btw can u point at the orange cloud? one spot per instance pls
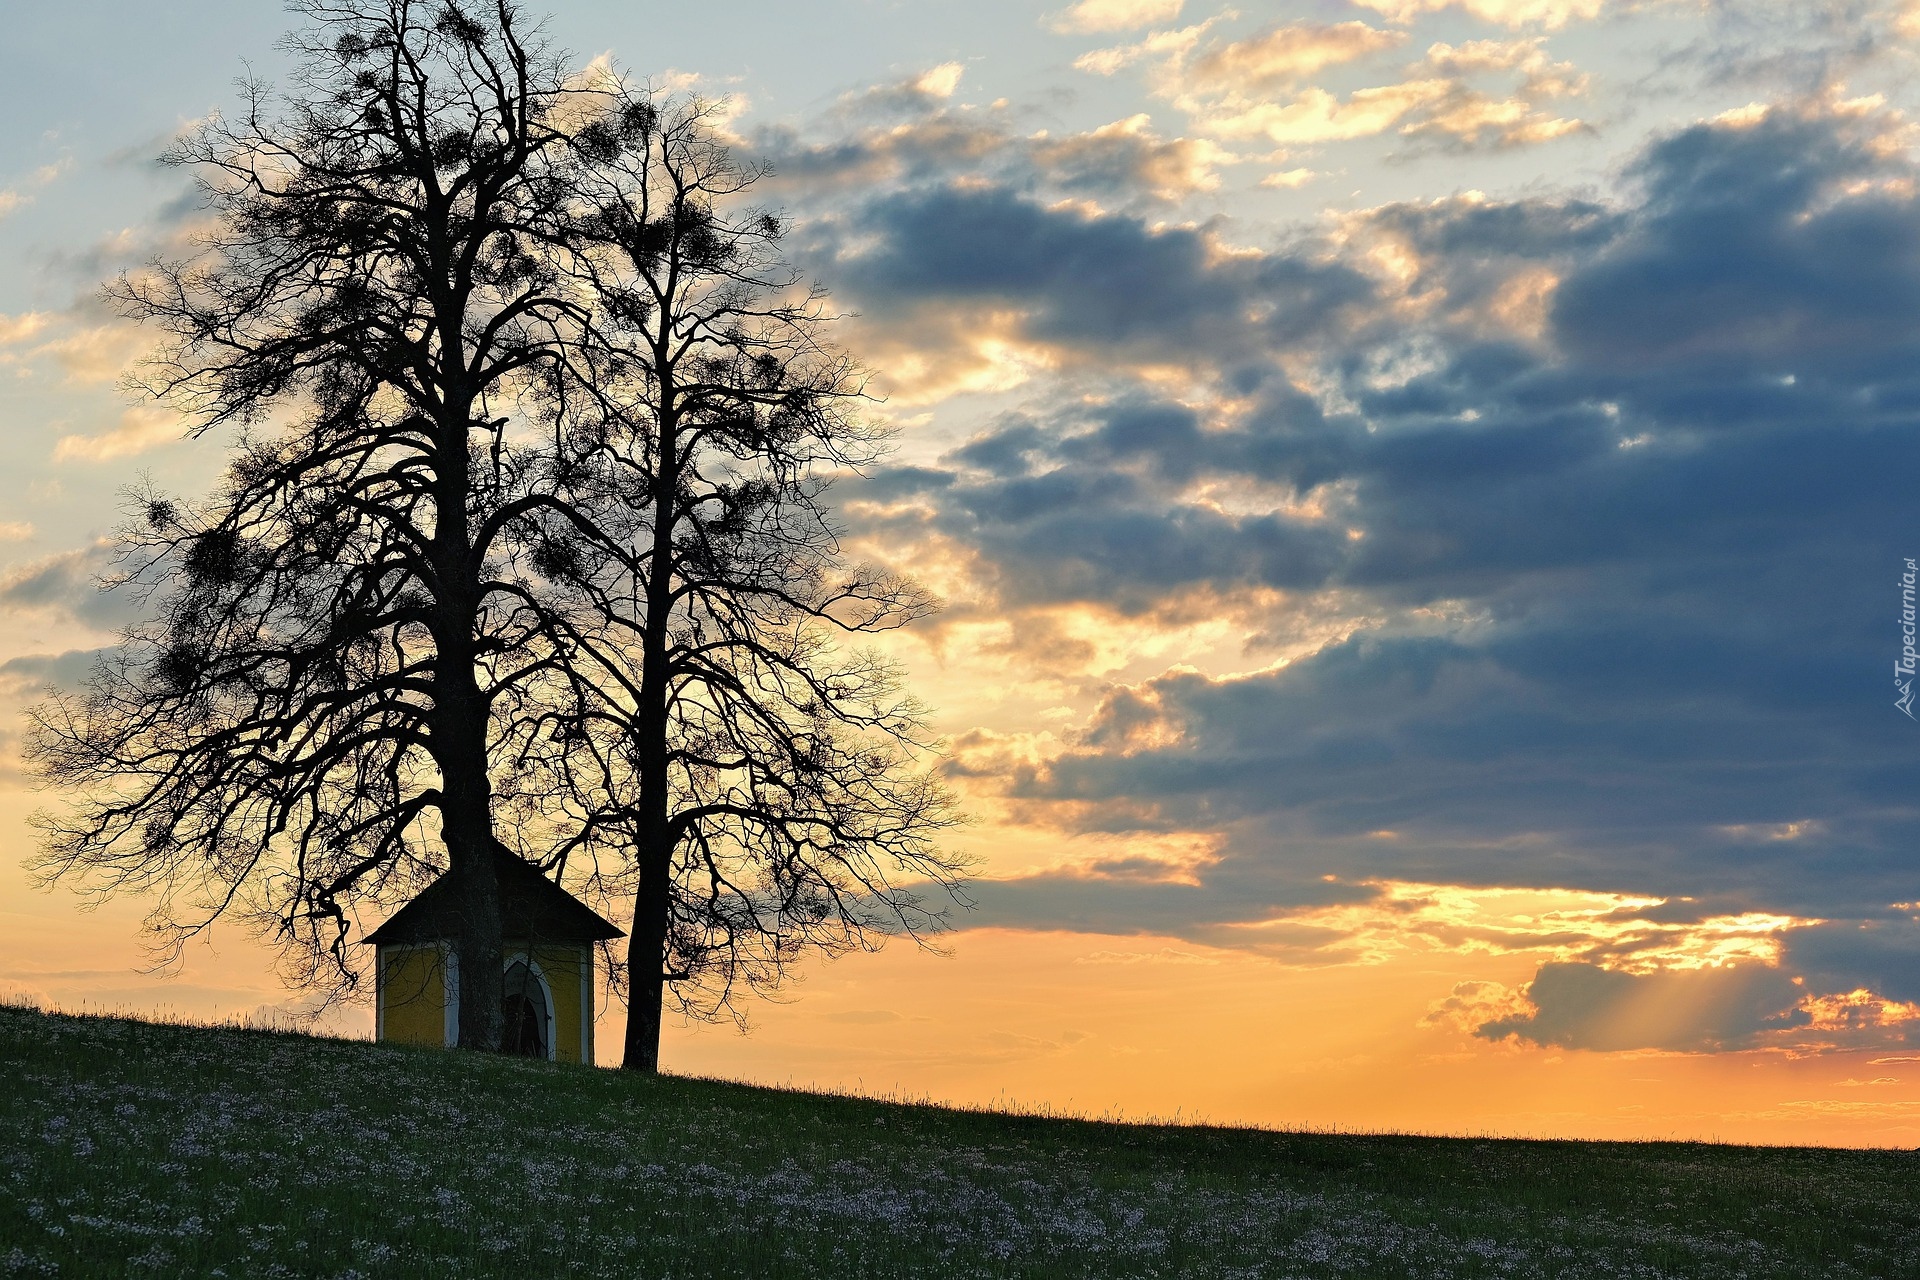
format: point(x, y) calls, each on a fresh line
point(1257, 86)
point(138, 430)
point(1283, 54)
point(1115, 15)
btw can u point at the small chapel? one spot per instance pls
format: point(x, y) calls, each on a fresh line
point(548, 994)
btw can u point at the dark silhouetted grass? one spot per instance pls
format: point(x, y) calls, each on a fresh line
point(138, 1149)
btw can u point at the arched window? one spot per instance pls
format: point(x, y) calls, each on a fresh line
point(528, 1020)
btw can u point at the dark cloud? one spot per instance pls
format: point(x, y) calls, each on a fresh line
point(1671, 639)
point(70, 583)
point(1132, 900)
point(24, 681)
point(31, 673)
point(1880, 954)
point(1464, 251)
point(1085, 504)
point(1582, 1006)
point(1749, 257)
point(1636, 555)
point(1502, 766)
point(1084, 281)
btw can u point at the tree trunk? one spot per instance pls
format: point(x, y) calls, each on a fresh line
point(466, 824)
point(646, 967)
point(460, 734)
point(647, 946)
point(479, 947)
point(647, 950)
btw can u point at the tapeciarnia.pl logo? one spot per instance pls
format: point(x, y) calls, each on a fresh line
point(1903, 669)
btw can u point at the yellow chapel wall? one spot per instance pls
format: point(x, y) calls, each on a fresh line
point(412, 995)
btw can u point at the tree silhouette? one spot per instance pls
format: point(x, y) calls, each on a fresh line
point(334, 627)
point(524, 530)
point(756, 784)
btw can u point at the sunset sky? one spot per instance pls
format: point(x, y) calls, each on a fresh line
point(1420, 490)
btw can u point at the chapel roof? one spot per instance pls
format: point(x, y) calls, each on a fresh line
point(532, 907)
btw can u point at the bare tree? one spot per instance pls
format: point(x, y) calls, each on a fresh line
point(335, 629)
point(765, 786)
point(525, 529)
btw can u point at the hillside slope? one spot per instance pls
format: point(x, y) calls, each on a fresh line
point(135, 1149)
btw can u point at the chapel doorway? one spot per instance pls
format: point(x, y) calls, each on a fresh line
point(527, 1017)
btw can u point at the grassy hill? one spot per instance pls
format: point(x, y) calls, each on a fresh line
point(128, 1148)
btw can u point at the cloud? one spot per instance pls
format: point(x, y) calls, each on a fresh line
point(1562, 533)
point(1158, 908)
point(1081, 515)
point(1170, 47)
point(1882, 954)
point(1426, 105)
point(905, 136)
point(1166, 955)
point(65, 588)
point(875, 1017)
point(940, 81)
point(86, 348)
point(1128, 157)
point(1544, 78)
point(140, 429)
point(28, 675)
point(1283, 55)
point(924, 93)
point(14, 197)
point(1115, 15)
point(958, 273)
point(1545, 754)
point(15, 330)
point(1260, 86)
point(1289, 178)
point(1475, 1004)
point(1316, 116)
point(1508, 13)
point(934, 143)
point(1785, 51)
point(1579, 1006)
point(1755, 231)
